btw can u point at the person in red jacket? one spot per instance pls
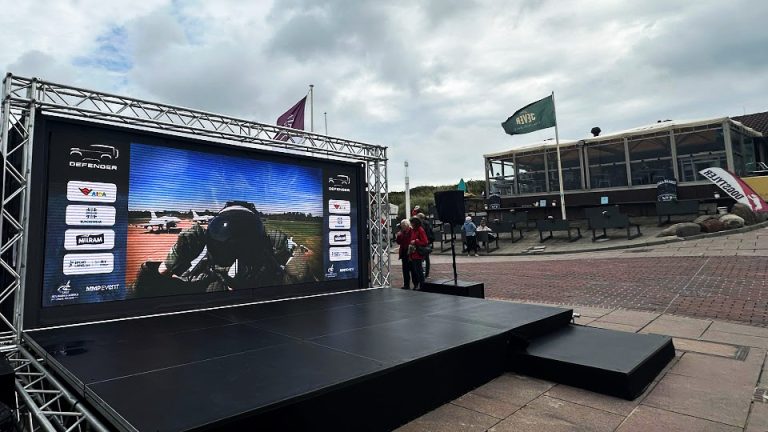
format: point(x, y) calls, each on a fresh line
point(404, 239)
point(418, 239)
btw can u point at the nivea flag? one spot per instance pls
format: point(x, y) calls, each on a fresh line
point(293, 118)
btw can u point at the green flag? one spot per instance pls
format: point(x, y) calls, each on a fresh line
point(532, 117)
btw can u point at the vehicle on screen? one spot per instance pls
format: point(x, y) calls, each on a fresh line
point(339, 180)
point(95, 152)
point(203, 220)
point(161, 223)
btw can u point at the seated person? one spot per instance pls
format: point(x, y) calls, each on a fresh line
point(484, 227)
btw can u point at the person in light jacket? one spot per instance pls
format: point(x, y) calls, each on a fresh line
point(470, 231)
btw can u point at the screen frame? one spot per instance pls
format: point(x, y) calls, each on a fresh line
point(37, 316)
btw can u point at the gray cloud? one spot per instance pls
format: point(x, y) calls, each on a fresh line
point(432, 80)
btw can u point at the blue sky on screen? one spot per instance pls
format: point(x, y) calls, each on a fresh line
point(165, 178)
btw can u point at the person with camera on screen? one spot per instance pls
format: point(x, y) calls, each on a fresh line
point(234, 252)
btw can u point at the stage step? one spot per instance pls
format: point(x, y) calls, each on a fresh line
point(605, 361)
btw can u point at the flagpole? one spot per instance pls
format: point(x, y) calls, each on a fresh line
point(311, 107)
point(325, 116)
point(559, 164)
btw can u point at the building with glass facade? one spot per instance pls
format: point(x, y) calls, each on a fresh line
point(625, 166)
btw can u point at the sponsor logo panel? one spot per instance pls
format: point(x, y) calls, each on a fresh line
point(75, 239)
point(339, 222)
point(81, 264)
point(91, 191)
point(90, 215)
point(339, 238)
point(339, 206)
point(340, 253)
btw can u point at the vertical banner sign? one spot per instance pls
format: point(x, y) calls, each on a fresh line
point(735, 188)
point(666, 190)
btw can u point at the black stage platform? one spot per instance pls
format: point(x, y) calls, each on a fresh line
point(366, 360)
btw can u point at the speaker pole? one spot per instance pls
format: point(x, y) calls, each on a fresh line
point(453, 255)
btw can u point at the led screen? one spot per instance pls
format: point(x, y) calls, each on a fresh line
point(129, 219)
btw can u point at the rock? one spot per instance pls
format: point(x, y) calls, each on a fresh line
point(668, 231)
point(703, 218)
point(687, 229)
point(732, 221)
point(712, 225)
point(745, 212)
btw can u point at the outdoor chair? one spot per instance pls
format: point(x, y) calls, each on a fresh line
point(504, 227)
point(669, 208)
point(552, 225)
point(610, 217)
point(483, 238)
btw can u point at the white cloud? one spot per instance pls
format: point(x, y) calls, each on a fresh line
point(432, 80)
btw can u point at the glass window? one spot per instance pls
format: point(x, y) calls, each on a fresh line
point(698, 150)
point(501, 177)
point(650, 159)
point(607, 166)
point(530, 173)
point(569, 159)
point(750, 162)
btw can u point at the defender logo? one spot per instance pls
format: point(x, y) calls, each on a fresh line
point(94, 156)
point(339, 183)
point(89, 239)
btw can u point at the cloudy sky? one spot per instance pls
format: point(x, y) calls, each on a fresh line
point(430, 79)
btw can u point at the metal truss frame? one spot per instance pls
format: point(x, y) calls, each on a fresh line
point(44, 404)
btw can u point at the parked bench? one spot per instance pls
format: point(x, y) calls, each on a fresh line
point(484, 238)
point(553, 225)
point(445, 236)
point(669, 208)
point(518, 218)
point(610, 217)
point(507, 227)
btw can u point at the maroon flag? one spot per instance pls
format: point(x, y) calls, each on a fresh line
point(293, 118)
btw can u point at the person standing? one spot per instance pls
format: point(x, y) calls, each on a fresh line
point(403, 239)
point(430, 238)
point(470, 231)
point(418, 241)
point(416, 210)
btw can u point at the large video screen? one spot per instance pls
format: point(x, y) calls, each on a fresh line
point(135, 218)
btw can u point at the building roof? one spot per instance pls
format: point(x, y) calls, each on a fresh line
point(756, 121)
point(638, 131)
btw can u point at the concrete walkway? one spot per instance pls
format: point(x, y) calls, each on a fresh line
point(715, 383)
point(710, 294)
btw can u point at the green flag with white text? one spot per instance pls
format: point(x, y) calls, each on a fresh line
point(532, 117)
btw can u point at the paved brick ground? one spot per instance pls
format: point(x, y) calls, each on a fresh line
point(720, 278)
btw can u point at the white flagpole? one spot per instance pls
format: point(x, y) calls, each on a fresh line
point(311, 107)
point(559, 164)
point(407, 193)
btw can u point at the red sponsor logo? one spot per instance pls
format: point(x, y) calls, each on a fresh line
point(85, 191)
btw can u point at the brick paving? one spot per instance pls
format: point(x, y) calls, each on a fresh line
point(718, 278)
point(709, 294)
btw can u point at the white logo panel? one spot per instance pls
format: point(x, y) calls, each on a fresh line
point(339, 222)
point(340, 253)
point(82, 264)
point(91, 191)
point(90, 215)
point(79, 239)
point(339, 238)
point(338, 206)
